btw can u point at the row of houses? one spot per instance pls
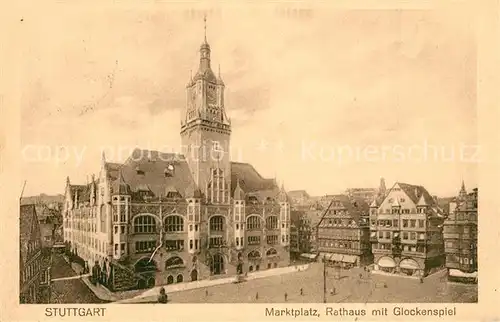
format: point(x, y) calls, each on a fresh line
point(39, 228)
point(403, 230)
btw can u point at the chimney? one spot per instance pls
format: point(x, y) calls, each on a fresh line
point(435, 198)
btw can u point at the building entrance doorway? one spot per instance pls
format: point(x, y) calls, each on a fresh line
point(194, 275)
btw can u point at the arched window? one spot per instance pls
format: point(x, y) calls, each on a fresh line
point(272, 222)
point(180, 278)
point(174, 262)
point(217, 264)
point(174, 224)
point(253, 223)
point(271, 252)
point(253, 255)
point(170, 279)
point(144, 224)
point(217, 223)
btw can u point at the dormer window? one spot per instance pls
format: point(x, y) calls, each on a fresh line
point(139, 171)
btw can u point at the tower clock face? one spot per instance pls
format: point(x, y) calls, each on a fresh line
point(211, 96)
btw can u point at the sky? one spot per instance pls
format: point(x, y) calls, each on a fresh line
point(329, 100)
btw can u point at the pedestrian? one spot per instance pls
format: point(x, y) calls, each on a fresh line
point(421, 280)
point(301, 291)
point(162, 297)
point(257, 296)
point(360, 276)
point(333, 291)
point(206, 293)
point(286, 296)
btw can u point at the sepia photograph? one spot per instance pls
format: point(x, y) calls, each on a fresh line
point(276, 153)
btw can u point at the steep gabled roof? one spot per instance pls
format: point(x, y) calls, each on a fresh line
point(355, 207)
point(414, 192)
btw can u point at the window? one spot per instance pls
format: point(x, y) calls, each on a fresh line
point(413, 236)
point(421, 236)
point(272, 222)
point(190, 227)
point(405, 235)
point(271, 252)
point(253, 255)
point(196, 241)
point(254, 240)
point(116, 229)
point(237, 241)
point(241, 241)
point(174, 244)
point(216, 242)
point(217, 223)
point(174, 262)
point(116, 249)
point(272, 239)
point(122, 248)
point(180, 278)
point(253, 223)
point(237, 227)
point(195, 227)
point(405, 223)
point(380, 234)
point(421, 223)
point(145, 224)
point(174, 224)
point(413, 223)
point(190, 244)
point(122, 229)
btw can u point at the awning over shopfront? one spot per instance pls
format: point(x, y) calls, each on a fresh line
point(386, 262)
point(458, 273)
point(349, 259)
point(337, 257)
point(409, 264)
point(309, 256)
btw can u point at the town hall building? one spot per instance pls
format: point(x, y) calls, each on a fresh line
point(163, 218)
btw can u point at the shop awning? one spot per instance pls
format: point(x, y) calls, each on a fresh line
point(386, 262)
point(337, 257)
point(458, 273)
point(409, 264)
point(349, 259)
point(310, 256)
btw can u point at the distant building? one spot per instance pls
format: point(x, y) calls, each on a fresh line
point(460, 236)
point(343, 232)
point(299, 197)
point(406, 231)
point(33, 274)
point(368, 194)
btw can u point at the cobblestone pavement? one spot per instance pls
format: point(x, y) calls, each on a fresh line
point(349, 289)
point(69, 291)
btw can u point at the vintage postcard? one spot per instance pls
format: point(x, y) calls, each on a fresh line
point(278, 160)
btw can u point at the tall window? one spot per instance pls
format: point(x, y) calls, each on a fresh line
point(217, 265)
point(174, 224)
point(253, 223)
point(102, 214)
point(145, 246)
point(272, 239)
point(144, 224)
point(217, 223)
point(272, 222)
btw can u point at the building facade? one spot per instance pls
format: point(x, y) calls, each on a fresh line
point(33, 275)
point(162, 218)
point(343, 232)
point(406, 231)
point(460, 237)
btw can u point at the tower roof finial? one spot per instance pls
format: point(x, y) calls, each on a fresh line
point(205, 26)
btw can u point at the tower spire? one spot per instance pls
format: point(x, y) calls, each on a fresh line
point(205, 27)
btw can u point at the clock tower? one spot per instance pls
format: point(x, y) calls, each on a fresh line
point(206, 130)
